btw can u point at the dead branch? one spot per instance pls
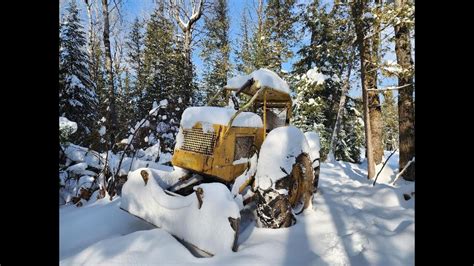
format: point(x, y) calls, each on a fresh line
point(403, 170)
point(377, 176)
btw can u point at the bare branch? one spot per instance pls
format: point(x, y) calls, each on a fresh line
point(196, 14)
point(175, 12)
point(383, 166)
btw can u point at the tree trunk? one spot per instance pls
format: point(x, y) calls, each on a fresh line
point(187, 47)
point(187, 27)
point(405, 98)
point(357, 9)
point(112, 120)
point(90, 45)
point(375, 108)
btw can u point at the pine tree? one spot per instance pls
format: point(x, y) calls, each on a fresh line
point(135, 56)
point(351, 135)
point(309, 106)
point(244, 50)
point(165, 71)
point(216, 48)
point(279, 21)
point(97, 69)
point(260, 41)
point(329, 56)
point(78, 100)
point(158, 57)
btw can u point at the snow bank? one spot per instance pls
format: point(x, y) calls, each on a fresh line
point(84, 226)
point(279, 151)
point(263, 77)
point(206, 227)
point(143, 248)
point(218, 115)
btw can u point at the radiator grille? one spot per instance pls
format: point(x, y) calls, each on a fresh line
point(197, 141)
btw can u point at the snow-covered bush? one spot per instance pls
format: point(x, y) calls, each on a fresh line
point(66, 128)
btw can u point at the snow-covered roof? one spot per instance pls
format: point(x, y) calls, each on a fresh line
point(219, 116)
point(263, 77)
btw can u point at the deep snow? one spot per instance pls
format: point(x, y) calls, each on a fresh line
point(351, 222)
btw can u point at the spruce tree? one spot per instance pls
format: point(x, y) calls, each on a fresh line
point(216, 48)
point(78, 100)
point(136, 80)
point(326, 58)
point(244, 62)
point(351, 135)
point(279, 21)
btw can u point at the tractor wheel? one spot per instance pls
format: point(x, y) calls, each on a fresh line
point(276, 210)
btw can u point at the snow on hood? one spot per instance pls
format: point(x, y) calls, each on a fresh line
point(265, 78)
point(279, 151)
point(218, 115)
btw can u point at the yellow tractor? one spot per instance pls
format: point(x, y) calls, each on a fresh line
point(227, 158)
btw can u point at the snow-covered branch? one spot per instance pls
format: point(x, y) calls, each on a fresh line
point(196, 8)
point(391, 88)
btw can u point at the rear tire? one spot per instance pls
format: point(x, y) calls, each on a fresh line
point(277, 210)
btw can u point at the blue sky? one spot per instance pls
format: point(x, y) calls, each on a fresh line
point(142, 8)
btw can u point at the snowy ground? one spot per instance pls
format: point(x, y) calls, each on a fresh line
point(351, 223)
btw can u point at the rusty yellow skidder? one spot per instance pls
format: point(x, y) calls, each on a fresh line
point(226, 158)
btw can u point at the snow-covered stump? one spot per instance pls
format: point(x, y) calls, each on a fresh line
point(207, 218)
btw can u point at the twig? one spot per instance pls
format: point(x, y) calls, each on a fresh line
point(377, 176)
point(403, 170)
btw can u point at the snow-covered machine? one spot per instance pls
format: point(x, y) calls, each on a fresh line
point(227, 158)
